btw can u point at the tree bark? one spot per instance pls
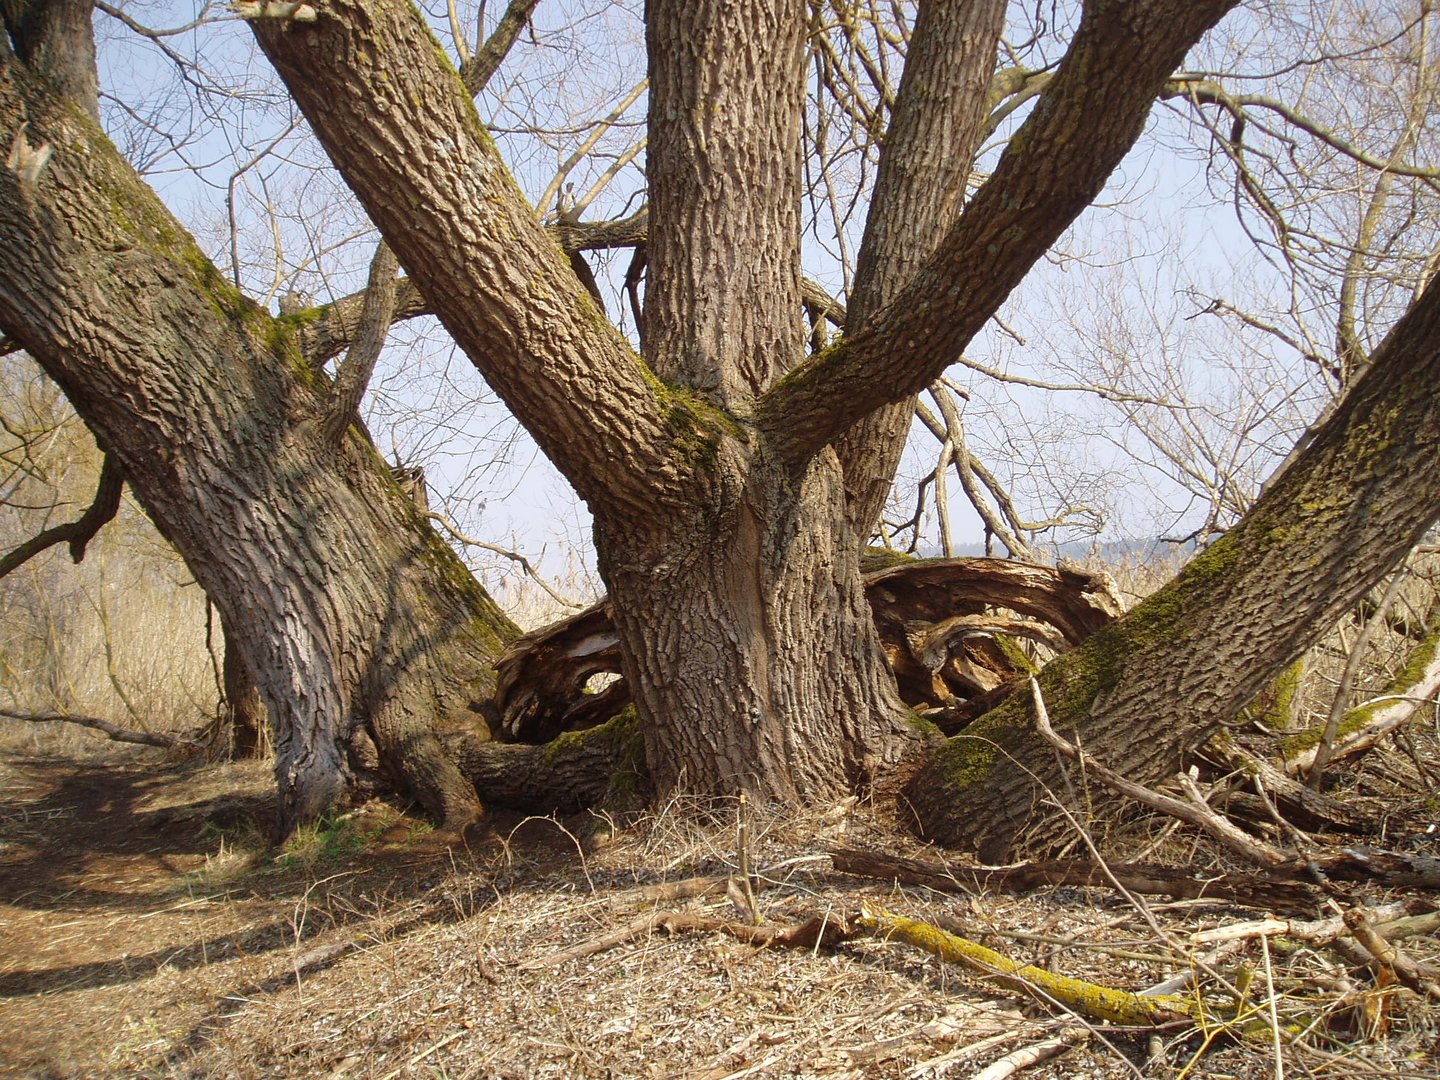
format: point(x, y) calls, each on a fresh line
point(740, 610)
point(244, 716)
point(722, 299)
point(723, 533)
point(1144, 690)
point(748, 642)
point(925, 162)
point(357, 623)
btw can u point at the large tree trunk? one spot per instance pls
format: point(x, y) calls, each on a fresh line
point(748, 640)
point(366, 636)
point(1142, 691)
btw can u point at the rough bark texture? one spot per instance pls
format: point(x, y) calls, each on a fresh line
point(937, 621)
point(740, 608)
point(244, 716)
point(722, 301)
point(354, 619)
point(748, 643)
point(1140, 692)
point(924, 165)
point(53, 38)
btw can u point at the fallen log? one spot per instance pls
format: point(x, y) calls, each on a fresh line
point(948, 627)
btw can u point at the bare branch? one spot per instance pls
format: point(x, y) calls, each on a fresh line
point(1086, 120)
point(376, 313)
point(77, 533)
point(433, 182)
point(1204, 91)
point(513, 556)
point(1195, 811)
point(480, 68)
point(111, 730)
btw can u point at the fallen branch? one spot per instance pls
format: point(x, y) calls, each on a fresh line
point(1034, 1054)
point(813, 934)
point(1101, 1003)
point(1302, 806)
point(1418, 977)
point(111, 730)
point(1088, 1000)
point(1365, 725)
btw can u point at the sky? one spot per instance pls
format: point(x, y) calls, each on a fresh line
point(1122, 302)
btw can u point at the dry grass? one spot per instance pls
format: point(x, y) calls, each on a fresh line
point(164, 939)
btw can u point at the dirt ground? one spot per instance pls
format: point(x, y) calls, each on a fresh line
point(146, 929)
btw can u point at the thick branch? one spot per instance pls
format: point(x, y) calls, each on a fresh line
point(376, 313)
point(82, 530)
point(1085, 122)
point(577, 770)
point(56, 41)
point(724, 194)
point(1159, 681)
point(432, 180)
point(480, 68)
point(924, 163)
point(541, 677)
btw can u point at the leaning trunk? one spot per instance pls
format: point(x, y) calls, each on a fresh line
point(364, 634)
point(1143, 691)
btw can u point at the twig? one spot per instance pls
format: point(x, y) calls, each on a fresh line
point(939, 1066)
point(423, 1055)
point(1270, 1008)
point(742, 843)
point(1034, 1054)
point(514, 556)
point(1197, 813)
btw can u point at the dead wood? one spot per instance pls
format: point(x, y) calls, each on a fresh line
point(1195, 810)
point(1418, 977)
point(1252, 890)
point(1302, 806)
point(1091, 1000)
point(1414, 689)
point(109, 729)
point(1392, 869)
point(1034, 1054)
point(818, 932)
point(938, 621)
point(587, 768)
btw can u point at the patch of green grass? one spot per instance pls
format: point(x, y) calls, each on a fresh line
point(326, 841)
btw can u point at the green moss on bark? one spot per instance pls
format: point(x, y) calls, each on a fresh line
point(1416, 664)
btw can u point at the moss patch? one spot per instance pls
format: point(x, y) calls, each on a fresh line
point(1355, 719)
point(873, 559)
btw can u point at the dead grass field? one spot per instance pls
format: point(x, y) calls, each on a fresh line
point(147, 930)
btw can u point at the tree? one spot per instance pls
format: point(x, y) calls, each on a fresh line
point(733, 475)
